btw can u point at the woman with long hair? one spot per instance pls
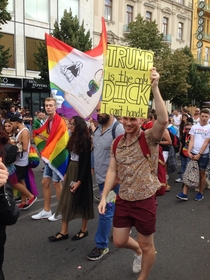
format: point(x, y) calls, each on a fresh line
point(76, 199)
point(6, 137)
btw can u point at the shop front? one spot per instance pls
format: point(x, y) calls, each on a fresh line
point(34, 94)
point(10, 92)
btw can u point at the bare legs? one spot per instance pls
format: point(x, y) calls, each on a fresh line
point(144, 246)
point(47, 192)
point(21, 187)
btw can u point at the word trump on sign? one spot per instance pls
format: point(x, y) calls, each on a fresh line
point(126, 88)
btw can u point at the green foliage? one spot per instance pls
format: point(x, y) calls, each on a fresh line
point(4, 17)
point(42, 62)
point(173, 67)
point(173, 70)
point(68, 31)
point(199, 81)
point(145, 35)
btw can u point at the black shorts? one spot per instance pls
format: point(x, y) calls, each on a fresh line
point(21, 172)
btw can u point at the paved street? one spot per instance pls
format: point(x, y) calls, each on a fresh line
point(182, 244)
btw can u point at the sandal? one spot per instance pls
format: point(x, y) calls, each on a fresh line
point(55, 237)
point(79, 235)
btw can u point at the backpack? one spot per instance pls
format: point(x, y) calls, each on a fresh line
point(191, 175)
point(175, 141)
point(113, 129)
point(161, 164)
point(171, 161)
point(10, 153)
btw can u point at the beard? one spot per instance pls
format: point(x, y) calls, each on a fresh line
point(103, 119)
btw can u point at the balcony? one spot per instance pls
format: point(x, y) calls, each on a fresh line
point(167, 38)
point(202, 62)
point(126, 29)
point(206, 36)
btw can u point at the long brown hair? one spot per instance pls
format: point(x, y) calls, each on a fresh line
point(4, 139)
point(79, 141)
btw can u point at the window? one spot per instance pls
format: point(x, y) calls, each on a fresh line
point(207, 52)
point(129, 14)
point(31, 48)
point(180, 30)
point(10, 6)
point(66, 5)
point(108, 10)
point(37, 10)
point(8, 42)
point(148, 16)
point(165, 26)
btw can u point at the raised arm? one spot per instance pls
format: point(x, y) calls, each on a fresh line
point(162, 115)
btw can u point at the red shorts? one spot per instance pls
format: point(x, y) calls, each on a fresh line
point(141, 214)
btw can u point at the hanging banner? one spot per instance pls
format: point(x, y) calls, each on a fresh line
point(76, 78)
point(127, 85)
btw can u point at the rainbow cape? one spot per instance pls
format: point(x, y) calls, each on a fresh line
point(53, 151)
point(76, 78)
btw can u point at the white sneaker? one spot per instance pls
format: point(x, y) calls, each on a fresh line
point(53, 218)
point(137, 263)
point(179, 180)
point(207, 184)
point(42, 215)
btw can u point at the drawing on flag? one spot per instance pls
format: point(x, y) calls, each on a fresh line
point(76, 78)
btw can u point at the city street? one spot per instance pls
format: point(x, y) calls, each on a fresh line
point(182, 243)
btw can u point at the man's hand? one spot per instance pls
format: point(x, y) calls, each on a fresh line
point(154, 77)
point(102, 206)
point(3, 173)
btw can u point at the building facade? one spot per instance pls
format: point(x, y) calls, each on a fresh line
point(30, 21)
point(174, 20)
point(201, 33)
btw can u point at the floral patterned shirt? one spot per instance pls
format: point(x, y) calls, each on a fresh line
point(137, 181)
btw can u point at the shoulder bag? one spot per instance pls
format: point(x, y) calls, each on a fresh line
point(9, 211)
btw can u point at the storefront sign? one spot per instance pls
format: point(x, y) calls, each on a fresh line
point(33, 84)
point(10, 82)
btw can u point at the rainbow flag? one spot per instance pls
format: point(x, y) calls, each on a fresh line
point(53, 151)
point(76, 78)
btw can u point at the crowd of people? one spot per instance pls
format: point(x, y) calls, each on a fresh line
point(74, 149)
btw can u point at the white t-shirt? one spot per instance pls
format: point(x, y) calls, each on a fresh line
point(177, 120)
point(200, 134)
point(195, 121)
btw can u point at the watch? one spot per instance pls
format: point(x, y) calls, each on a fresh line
point(201, 5)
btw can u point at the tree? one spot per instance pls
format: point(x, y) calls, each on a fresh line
point(68, 31)
point(4, 17)
point(173, 67)
point(144, 34)
point(199, 82)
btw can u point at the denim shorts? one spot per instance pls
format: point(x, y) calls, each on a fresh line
point(203, 161)
point(49, 173)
